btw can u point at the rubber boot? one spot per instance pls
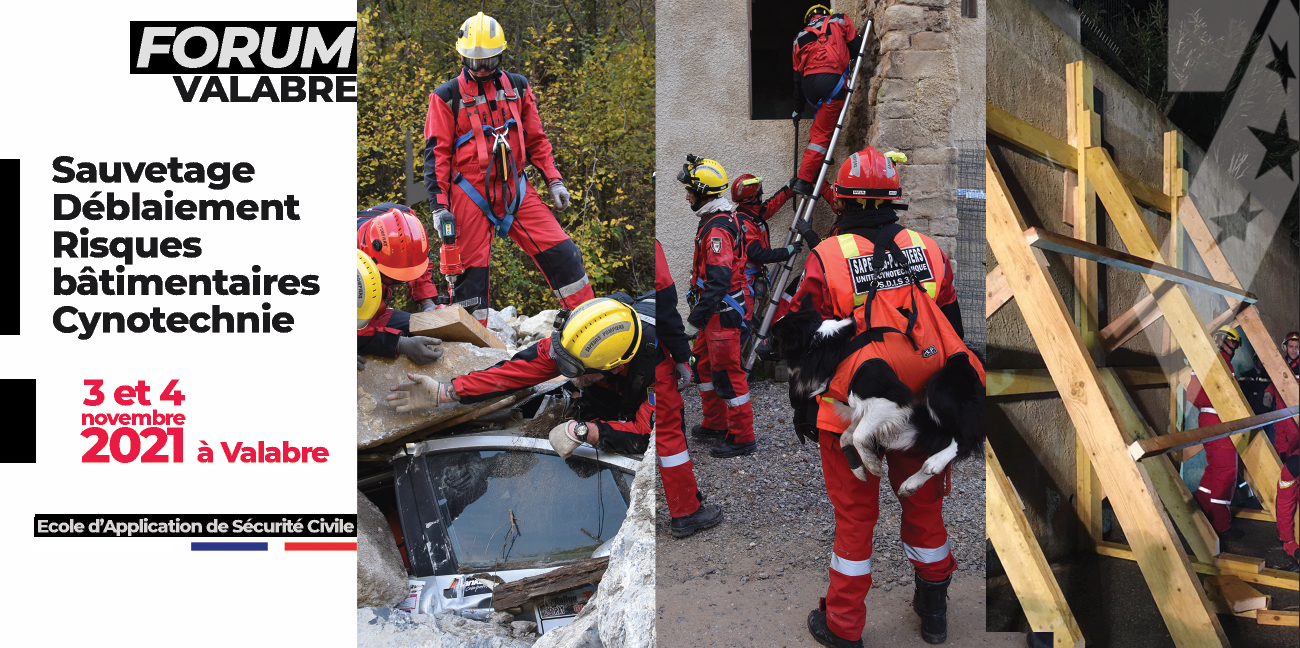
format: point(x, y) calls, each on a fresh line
point(706, 434)
point(729, 448)
point(706, 516)
point(823, 634)
point(930, 600)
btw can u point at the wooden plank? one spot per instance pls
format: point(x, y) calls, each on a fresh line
point(1176, 590)
point(1251, 324)
point(1031, 577)
point(1236, 563)
point(996, 292)
point(1266, 577)
point(1129, 323)
point(1032, 140)
point(1254, 514)
point(454, 324)
point(1045, 240)
point(1262, 464)
point(1289, 618)
point(1182, 507)
point(1019, 382)
point(1239, 596)
point(1199, 436)
point(588, 572)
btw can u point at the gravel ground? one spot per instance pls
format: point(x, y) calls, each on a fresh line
point(779, 529)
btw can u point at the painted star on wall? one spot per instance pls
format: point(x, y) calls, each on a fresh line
point(1279, 147)
point(1281, 62)
point(1233, 225)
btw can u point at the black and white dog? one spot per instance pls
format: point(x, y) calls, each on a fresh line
point(947, 422)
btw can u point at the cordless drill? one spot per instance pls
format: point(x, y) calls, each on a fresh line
point(448, 254)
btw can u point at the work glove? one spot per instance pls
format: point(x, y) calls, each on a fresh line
point(421, 392)
point(361, 363)
point(426, 305)
point(691, 331)
point(764, 350)
point(683, 376)
point(560, 195)
point(794, 248)
point(805, 229)
point(420, 349)
point(562, 439)
point(438, 213)
point(790, 184)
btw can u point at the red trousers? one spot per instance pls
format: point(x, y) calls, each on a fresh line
point(725, 397)
point(1286, 504)
point(819, 137)
point(1220, 478)
point(535, 231)
point(675, 467)
point(857, 507)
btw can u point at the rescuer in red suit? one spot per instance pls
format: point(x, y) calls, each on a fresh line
point(1287, 442)
point(1220, 479)
point(481, 129)
point(754, 212)
point(823, 52)
point(396, 242)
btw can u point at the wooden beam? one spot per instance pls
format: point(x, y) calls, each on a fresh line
point(515, 594)
point(1266, 577)
point(1045, 240)
point(1237, 563)
point(1262, 464)
point(1183, 509)
point(1129, 323)
point(1176, 590)
point(1032, 140)
point(1199, 436)
point(1027, 569)
point(454, 324)
point(1239, 596)
point(1254, 514)
point(1019, 382)
point(1289, 618)
point(996, 292)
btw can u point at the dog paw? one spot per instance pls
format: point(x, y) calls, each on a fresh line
point(872, 463)
point(912, 484)
point(860, 473)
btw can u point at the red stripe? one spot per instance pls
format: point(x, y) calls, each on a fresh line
point(320, 546)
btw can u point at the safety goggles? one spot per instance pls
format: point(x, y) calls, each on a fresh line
point(491, 63)
point(568, 364)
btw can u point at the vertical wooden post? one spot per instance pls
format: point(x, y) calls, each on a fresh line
point(1083, 130)
point(1174, 186)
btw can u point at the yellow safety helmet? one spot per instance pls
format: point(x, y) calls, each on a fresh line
point(599, 335)
point(370, 289)
point(703, 176)
point(1229, 333)
point(821, 10)
point(480, 37)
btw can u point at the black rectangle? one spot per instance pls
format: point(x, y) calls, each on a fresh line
point(11, 267)
point(205, 48)
point(20, 402)
point(171, 525)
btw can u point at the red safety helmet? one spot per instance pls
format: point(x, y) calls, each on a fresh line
point(747, 187)
point(868, 174)
point(396, 240)
point(1293, 336)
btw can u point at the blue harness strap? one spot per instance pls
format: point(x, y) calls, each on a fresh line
point(469, 134)
point(844, 77)
point(502, 224)
point(730, 301)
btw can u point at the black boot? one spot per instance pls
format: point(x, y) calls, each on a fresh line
point(823, 634)
point(729, 448)
point(930, 600)
point(706, 516)
point(802, 187)
point(707, 434)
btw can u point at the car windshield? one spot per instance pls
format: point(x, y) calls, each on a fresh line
point(510, 507)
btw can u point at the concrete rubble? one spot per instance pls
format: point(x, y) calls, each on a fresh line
point(387, 628)
point(381, 576)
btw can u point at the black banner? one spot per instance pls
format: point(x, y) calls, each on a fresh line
point(20, 441)
point(243, 47)
point(11, 268)
point(135, 525)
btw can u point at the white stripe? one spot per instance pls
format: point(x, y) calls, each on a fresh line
point(817, 147)
point(737, 401)
point(1208, 410)
point(708, 386)
point(850, 567)
point(921, 554)
point(1203, 489)
point(1286, 484)
point(1223, 502)
point(674, 460)
point(572, 289)
point(646, 318)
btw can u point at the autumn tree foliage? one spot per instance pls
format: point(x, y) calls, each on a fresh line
point(591, 67)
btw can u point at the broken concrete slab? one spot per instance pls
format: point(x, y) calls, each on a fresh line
point(537, 326)
point(453, 324)
point(386, 628)
point(377, 423)
point(627, 591)
point(381, 577)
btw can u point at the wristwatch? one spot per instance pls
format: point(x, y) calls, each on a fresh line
point(580, 432)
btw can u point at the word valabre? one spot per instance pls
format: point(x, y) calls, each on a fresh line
point(263, 453)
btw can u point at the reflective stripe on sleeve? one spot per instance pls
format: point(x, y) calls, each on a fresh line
point(1223, 502)
point(1286, 484)
point(737, 401)
point(572, 289)
point(1203, 489)
point(816, 147)
point(674, 460)
point(921, 554)
point(850, 567)
point(1208, 410)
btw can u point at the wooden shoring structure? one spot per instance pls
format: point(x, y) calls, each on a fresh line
point(1147, 494)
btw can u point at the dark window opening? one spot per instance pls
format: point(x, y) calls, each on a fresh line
point(773, 24)
point(969, 8)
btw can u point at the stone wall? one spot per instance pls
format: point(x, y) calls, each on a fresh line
point(935, 57)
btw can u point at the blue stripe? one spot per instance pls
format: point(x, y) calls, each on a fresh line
point(228, 546)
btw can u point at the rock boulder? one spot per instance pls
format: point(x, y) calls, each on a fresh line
point(378, 423)
point(381, 578)
point(386, 628)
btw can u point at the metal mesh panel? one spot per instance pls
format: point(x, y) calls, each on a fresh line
point(971, 257)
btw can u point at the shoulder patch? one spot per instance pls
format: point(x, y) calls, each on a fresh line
point(715, 244)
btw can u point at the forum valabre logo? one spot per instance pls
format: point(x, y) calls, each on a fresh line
point(246, 62)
